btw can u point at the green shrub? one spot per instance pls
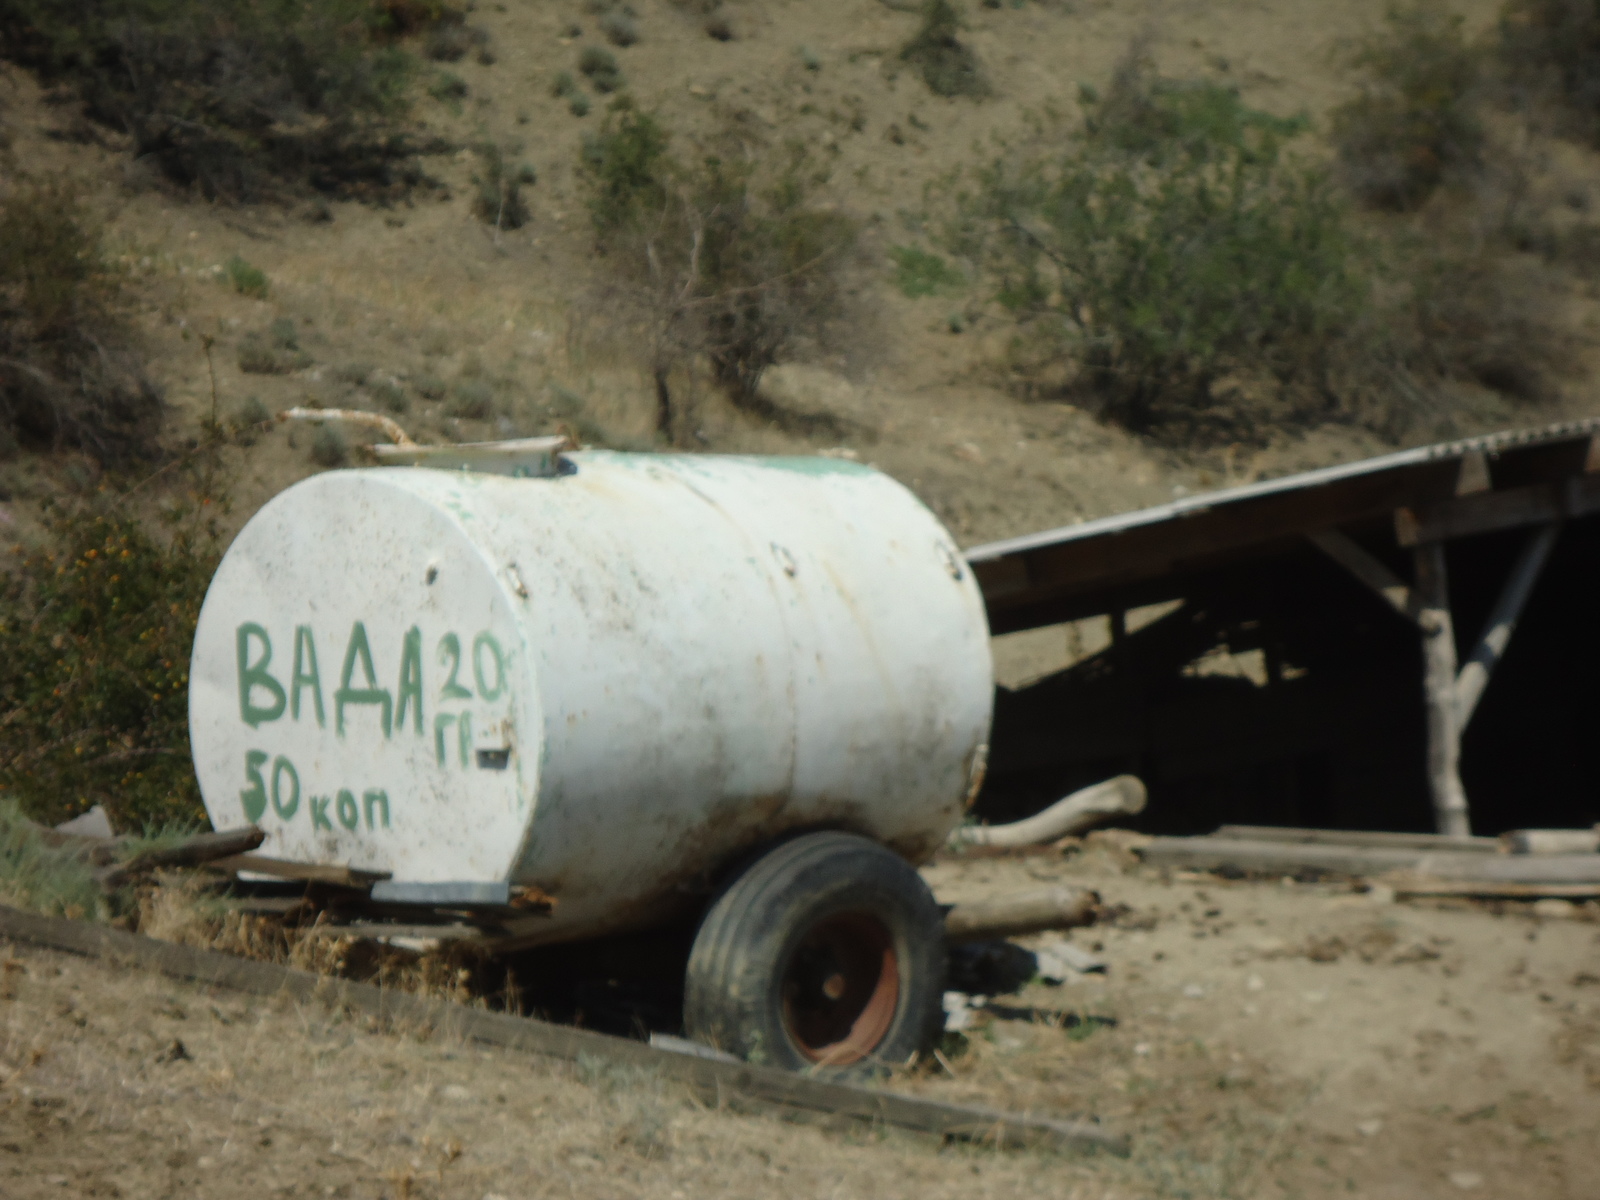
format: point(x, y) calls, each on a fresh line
point(727, 256)
point(232, 97)
point(430, 387)
point(329, 447)
point(246, 280)
point(263, 356)
point(599, 67)
point(499, 201)
point(353, 373)
point(391, 395)
point(947, 65)
point(448, 87)
point(283, 334)
point(619, 27)
point(68, 373)
point(472, 399)
point(1168, 243)
point(95, 632)
point(253, 412)
point(918, 273)
point(250, 420)
point(453, 40)
point(625, 169)
point(1414, 120)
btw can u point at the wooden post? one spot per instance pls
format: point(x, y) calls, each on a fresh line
point(1439, 692)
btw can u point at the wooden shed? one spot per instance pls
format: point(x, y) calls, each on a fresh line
point(1424, 654)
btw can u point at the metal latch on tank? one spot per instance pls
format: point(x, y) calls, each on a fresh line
point(493, 750)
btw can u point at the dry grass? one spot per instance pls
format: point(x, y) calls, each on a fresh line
point(184, 907)
point(313, 1100)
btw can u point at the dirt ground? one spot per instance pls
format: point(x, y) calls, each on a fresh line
point(1255, 1039)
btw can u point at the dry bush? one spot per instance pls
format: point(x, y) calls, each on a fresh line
point(499, 201)
point(1552, 49)
point(1414, 122)
point(946, 63)
point(1478, 318)
point(67, 373)
point(726, 258)
point(234, 97)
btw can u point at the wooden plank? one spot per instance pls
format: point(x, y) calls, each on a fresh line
point(1378, 578)
point(380, 930)
point(1281, 858)
point(1552, 841)
point(202, 848)
point(718, 1082)
point(1359, 837)
point(1486, 512)
point(1439, 692)
point(265, 905)
point(1502, 623)
point(1481, 890)
point(278, 868)
point(1286, 858)
point(1513, 868)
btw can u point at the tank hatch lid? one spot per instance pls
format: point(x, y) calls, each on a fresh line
point(520, 458)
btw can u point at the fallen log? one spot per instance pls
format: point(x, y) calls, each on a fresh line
point(202, 848)
point(732, 1084)
point(1024, 912)
point(1083, 810)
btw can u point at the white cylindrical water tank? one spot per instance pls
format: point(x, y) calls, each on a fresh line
point(595, 687)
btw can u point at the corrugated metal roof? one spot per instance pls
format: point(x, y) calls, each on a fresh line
point(1490, 443)
point(1022, 577)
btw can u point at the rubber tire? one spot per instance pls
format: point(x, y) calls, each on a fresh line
point(733, 994)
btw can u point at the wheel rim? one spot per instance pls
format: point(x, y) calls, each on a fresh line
point(841, 987)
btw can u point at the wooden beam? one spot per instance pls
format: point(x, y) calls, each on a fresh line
point(1288, 858)
point(1502, 622)
point(1282, 858)
point(1381, 839)
point(722, 1083)
point(1490, 890)
point(279, 868)
point(1473, 474)
point(1490, 512)
point(1439, 692)
point(1388, 586)
point(201, 848)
